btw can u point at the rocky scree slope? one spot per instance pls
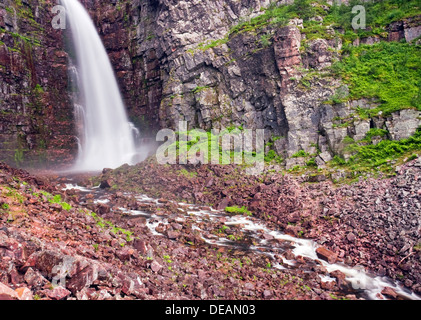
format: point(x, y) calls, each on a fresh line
point(53, 248)
point(375, 223)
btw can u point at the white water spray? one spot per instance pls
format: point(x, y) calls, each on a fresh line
point(107, 136)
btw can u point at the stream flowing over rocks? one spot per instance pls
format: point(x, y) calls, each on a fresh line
point(248, 234)
point(73, 238)
point(374, 223)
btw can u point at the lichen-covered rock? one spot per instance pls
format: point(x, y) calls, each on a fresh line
point(403, 124)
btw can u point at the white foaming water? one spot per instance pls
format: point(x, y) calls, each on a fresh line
point(70, 186)
point(356, 276)
point(107, 140)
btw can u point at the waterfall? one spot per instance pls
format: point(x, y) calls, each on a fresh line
point(107, 139)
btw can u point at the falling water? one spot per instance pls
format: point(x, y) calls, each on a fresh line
point(107, 137)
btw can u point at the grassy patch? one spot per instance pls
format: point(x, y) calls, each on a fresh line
point(13, 194)
point(199, 89)
point(272, 156)
point(378, 157)
point(213, 44)
point(378, 13)
point(188, 174)
point(211, 146)
point(237, 210)
point(53, 199)
point(105, 224)
point(57, 199)
point(387, 71)
point(300, 154)
point(273, 15)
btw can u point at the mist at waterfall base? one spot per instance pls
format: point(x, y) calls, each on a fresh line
point(106, 138)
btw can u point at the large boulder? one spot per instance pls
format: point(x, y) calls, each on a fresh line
point(403, 124)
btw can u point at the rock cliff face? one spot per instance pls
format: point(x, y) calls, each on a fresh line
point(36, 123)
point(178, 60)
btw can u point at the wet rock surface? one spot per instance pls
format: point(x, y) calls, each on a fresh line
point(169, 251)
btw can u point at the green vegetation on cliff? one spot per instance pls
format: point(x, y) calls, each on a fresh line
point(388, 71)
point(379, 13)
point(379, 157)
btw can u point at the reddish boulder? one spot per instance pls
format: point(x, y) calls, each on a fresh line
point(105, 184)
point(34, 278)
point(155, 266)
point(326, 254)
point(142, 246)
point(7, 293)
point(389, 292)
point(24, 293)
point(57, 293)
point(125, 253)
point(224, 203)
point(339, 276)
point(173, 234)
point(83, 278)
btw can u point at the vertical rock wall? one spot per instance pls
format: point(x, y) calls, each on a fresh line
point(36, 121)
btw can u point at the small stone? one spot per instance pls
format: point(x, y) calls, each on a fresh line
point(57, 293)
point(389, 292)
point(202, 275)
point(155, 266)
point(173, 234)
point(249, 286)
point(267, 293)
point(141, 246)
point(339, 276)
point(105, 184)
point(7, 293)
point(24, 293)
point(34, 278)
point(268, 236)
point(124, 254)
point(223, 204)
point(350, 237)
